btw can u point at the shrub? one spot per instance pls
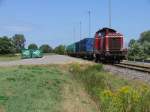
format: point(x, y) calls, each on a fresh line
point(125, 99)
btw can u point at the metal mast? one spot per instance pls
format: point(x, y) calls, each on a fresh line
point(110, 18)
point(80, 30)
point(74, 34)
point(89, 24)
point(80, 35)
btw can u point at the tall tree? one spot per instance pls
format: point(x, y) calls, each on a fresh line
point(145, 36)
point(33, 46)
point(132, 41)
point(19, 41)
point(6, 45)
point(60, 49)
point(136, 51)
point(46, 48)
point(146, 47)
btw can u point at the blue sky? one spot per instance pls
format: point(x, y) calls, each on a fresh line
point(52, 21)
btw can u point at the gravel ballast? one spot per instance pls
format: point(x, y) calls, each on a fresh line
point(128, 73)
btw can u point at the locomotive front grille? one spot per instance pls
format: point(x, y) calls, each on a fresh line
point(114, 43)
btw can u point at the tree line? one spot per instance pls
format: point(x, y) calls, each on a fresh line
point(140, 49)
point(16, 43)
point(48, 49)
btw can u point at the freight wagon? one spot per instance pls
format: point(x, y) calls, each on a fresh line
point(106, 46)
point(82, 49)
point(86, 47)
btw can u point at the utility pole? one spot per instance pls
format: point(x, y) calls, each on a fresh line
point(80, 30)
point(89, 23)
point(80, 36)
point(74, 34)
point(110, 13)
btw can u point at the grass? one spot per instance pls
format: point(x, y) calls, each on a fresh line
point(10, 57)
point(47, 54)
point(113, 93)
point(31, 89)
point(41, 89)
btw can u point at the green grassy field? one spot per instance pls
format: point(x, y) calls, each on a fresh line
point(47, 54)
point(30, 89)
point(10, 57)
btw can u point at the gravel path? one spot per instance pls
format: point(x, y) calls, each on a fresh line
point(51, 59)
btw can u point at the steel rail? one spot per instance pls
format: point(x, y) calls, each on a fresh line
point(137, 67)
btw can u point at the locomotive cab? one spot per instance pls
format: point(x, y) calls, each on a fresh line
point(108, 45)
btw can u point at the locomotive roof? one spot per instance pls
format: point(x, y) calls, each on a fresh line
point(105, 29)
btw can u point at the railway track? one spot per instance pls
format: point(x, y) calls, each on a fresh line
point(137, 67)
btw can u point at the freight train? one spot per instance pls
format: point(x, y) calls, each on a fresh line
point(106, 46)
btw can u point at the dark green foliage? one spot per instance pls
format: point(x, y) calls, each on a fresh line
point(60, 49)
point(46, 48)
point(19, 42)
point(140, 49)
point(33, 46)
point(6, 45)
point(145, 36)
point(146, 47)
point(136, 51)
point(132, 41)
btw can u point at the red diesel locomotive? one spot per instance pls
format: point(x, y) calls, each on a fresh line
point(108, 46)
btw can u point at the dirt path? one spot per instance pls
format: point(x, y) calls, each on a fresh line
point(76, 99)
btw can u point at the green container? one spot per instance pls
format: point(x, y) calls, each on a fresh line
point(37, 54)
point(71, 48)
point(25, 54)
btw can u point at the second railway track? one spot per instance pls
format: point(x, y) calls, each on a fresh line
point(137, 67)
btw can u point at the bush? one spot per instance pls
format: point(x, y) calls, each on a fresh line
point(126, 99)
